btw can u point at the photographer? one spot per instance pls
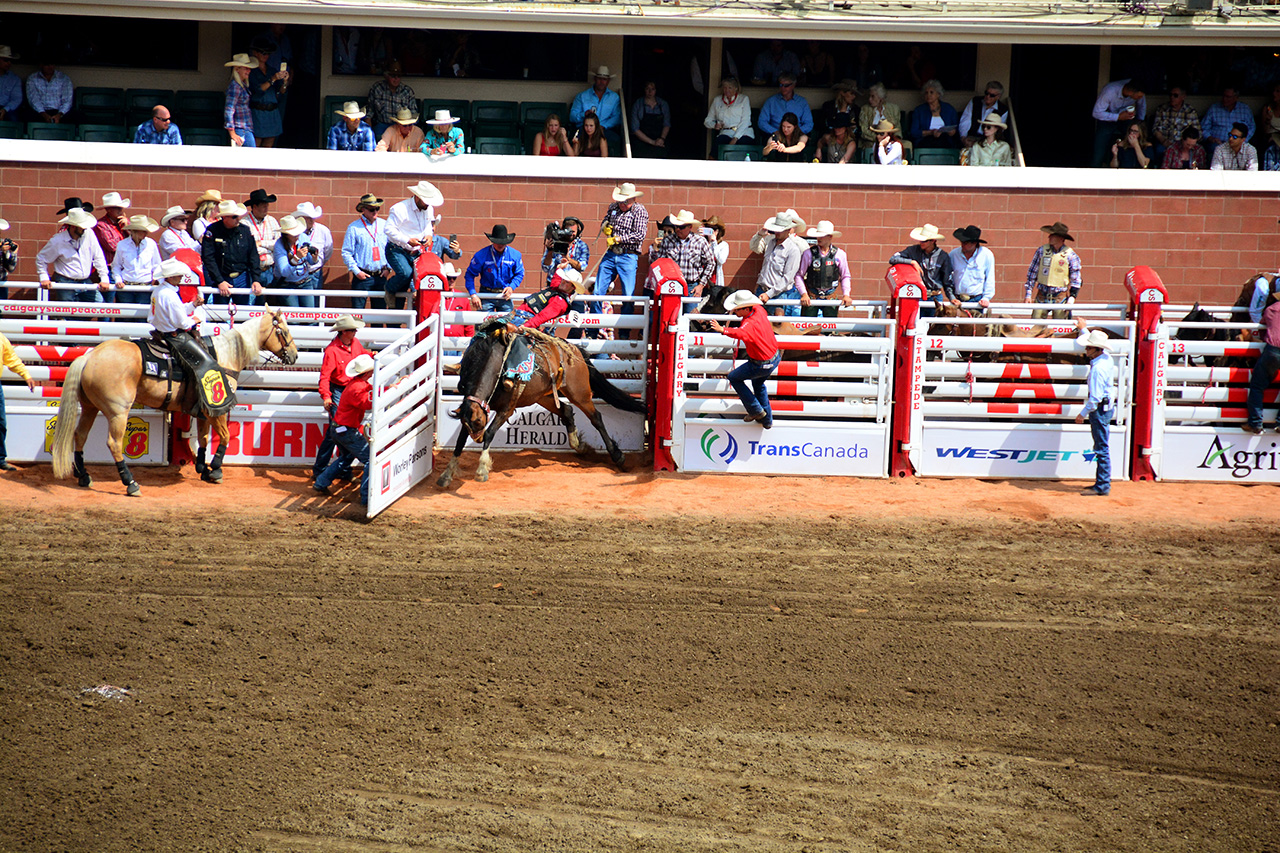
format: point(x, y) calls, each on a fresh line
point(564, 242)
point(8, 258)
point(294, 256)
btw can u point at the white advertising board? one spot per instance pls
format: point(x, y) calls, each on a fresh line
point(843, 450)
point(533, 427)
point(1023, 451)
point(405, 465)
point(263, 436)
point(1222, 455)
point(30, 437)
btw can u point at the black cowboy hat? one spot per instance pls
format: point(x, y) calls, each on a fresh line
point(968, 234)
point(263, 45)
point(500, 235)
point(1059, 229)
point(259, 196)
point(75, 201)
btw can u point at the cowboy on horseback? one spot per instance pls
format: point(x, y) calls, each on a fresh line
point(172, 323)
point(550, 303)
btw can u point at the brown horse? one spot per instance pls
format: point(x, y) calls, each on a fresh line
point(109, 379)
point(559, 371)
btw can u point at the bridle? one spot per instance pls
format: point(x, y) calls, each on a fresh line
point(284, 339)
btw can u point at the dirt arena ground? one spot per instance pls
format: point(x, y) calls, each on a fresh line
point(572, 659)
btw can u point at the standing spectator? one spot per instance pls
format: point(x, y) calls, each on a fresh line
point(1215, 127)
point(1237, 155)
point(843, 103)
point(158, 130)
point(763, 355)
point(175, 236)
point(578, 254)
point(888, 147)
point(552, 140)
point(876, 111)
point(601, 100)
point(817, 66)
point(265, 229)
point(229, 255)
point(74, 257)
point(773, 63)
point(1267, 365)
point(10, 85)
point(137, 261)
point(49, 93)
point(206, 212)
point(1269, 110)
point(866, 71)
point(713, 231)
point(293, 255)
point(333, 381)
point(693, 254)
point(410, 228)
point(364, 251)
point(933, 264)
point(973, 269)
point(730, 115)
point(403, 134)
point(280, 59)
point(650, 123)
point(992, 150)
point(978, 108)
point(782, 250)
point(500, 269)
point(787, 144)
point(1099, 404)
point(356, 402)
point(388, 97)
point(351, 134)
point(10, 359)
point(823, 268)
point(625, 224)
point(1271, 156)
point(1171, 119)
point(444, 137)
point(1187, 153)
point(8, 258)
point(265, 87)
point(838, 145)
point(589, 140)
point(110, 230)
point(237, 117)
point(321, 238)
point(786, 101)
point(1054, 275)
point(1120, 101)
point(1133, 151)
point(934, 124)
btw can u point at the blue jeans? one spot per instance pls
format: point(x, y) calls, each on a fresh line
point(283, 284)
point(621, 266)
point(240, 279)
point(249, 140)
point(755, 398)
point(789, 310)
point(329, 443)
point(401, 263)
point(89, 294)
point(1100, 427)
point(372, 284)
point(355, 445)
point(494, 303)
point(311, 282)
point(1264, 373)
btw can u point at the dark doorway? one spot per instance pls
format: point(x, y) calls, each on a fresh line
point(670, 62)
point(1044, 105)
point(301, 104)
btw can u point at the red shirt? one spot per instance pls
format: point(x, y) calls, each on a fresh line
point(357, 398)
point(109, 235)
point(333, 367)
point(756, 333)
point(557, 306)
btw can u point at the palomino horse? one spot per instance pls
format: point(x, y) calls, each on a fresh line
point(109, 379)
point(559, 370)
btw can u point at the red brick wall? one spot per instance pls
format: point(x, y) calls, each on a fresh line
point(1202, 244)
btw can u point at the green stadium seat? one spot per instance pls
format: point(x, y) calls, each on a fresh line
point(44, 130)
point(104, 133)
point(205, 136)
point(937, 157)
point(99, 104)
point(497, 145)
point(533, 117)
point(194, 108)
point(12, 130)
point(138, 103)
point(457, 108)
point(741, 152)
point(495, 118)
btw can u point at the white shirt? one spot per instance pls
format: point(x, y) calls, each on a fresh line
point(174, 239)
point(136, 263)
point(322, 238)
point(891, 157)
point(71, 258)
point(406, 222)
point(199, 227)
point(168, 312)
point(722, 255)
point(735, 117)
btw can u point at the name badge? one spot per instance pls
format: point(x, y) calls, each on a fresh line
point(377, 253)
point(339, 429)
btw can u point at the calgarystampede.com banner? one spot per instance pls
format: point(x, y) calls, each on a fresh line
point(99, 308)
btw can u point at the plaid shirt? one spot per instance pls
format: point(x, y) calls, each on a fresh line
point(629, 228)
point(146, 134)
point(1172, 122)
point(45, 95)
point(1074, 277)
point(236, 114)
point(694, 256)
point(578, 251)
point(384, 103)
point(341, 139)
point(1246, 160)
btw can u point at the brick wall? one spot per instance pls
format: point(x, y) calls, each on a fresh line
point(1202, 243)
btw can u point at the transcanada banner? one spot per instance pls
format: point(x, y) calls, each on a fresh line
point(1034, 451)
point(750, 449)
point(1228, 455)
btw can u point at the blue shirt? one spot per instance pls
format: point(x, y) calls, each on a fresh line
point(49, 95)
point(607, 107)
point(10, 93)
point(435, 139)
point(1217, 122)
point(973, 277)
point(578, 251)
point(146, 134)
point(440, 247)
point(362, 242)
point(1102, 379)
point(772, 111)
point(341, 139)
point(294, 269)
point(495, 271)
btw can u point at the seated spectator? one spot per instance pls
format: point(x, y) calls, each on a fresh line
point(1119, 101)
point(787, 144)
point(888, 148)
point(934, 124)
point(237, 118)
point(838, 145)
point(992, 150)
point(388, 97)
point(877, 110)
point(1187, 153)
point(817, 66)
point(403, 134)
point(158, 130)
point(650, 124)
point(352, 134)
point(786, 101)
point(1216, 125)
point(979, 108)
point(1133, 151)
point(10, 85)
point(444, 137)
point(1270, 109)
point(49, 93)
point(1171, 119)
point(772, 64)
point(729, 116)
point(842, 103)
point(552, 140)
point(605, 103)
point(1271, 156)
point(590, 141)
point(1237, 155)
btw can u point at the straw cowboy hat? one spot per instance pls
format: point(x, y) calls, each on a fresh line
point(1058, 229)
point(443, 117)
point(7, 53)
point(994, 120)
point(309, 210)
point(684, 217)
point(172, 268)
point(740, 299)
point(824, 229)
point(846, 85)
point(142, 223)
point(925, 233)
point(883, 126)
point(210, 195)
point(231, 208)
point(345, 323)
point(362, 363)
point(79, 218)
point(783, 220)
point(500, 235)
point(626, 192)
point(405, 116)
point(427, 191)
point(173, 213)
point(368, 200)
point(602, 71)
point(1096, 338)
point(241, 60)
point(74, 201)
point(968, 234)
point(797, 219)
point(573, 277)
point(350, 109)
point(4, 225)
point(113, 199)
point(291, 225)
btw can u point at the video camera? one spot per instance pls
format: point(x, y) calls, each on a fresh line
point(558, 239)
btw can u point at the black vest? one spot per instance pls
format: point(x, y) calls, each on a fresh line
point(823, 274)
point(975, 114)
point(535, 302)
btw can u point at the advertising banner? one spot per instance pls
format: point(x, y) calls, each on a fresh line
point(1224, 456)
point(836, 451)
point(1025, 451)
point(266, 437)
point(30, 437)
point(536, 428)
point(404, 466)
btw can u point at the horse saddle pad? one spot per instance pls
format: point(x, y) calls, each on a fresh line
point(521, 361)
point(159, 363)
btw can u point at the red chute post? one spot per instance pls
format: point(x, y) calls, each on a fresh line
point(1147, 298)
point(428, 275)
point(191, 258)
point(906, 290)
point(668, 287)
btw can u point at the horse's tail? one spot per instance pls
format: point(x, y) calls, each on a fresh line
point(612, 394)
point(68, 418)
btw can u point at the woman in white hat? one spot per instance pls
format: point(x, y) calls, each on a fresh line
point(444, 137)
point(333, 380)
point(347, 417)
point(293, 255)
point(238, 115)
point(991, 150)
point(763, 355)
point(137, 261)
point(319, 236)
point(175, 235)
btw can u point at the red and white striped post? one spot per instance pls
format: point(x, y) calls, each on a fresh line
point(668, 288)
point(1147, 297)
point(906, 290)
point(428, 273)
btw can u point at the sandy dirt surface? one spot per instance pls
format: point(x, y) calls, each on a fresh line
point(568, 658)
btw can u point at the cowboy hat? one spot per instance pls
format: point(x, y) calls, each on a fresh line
point(626, 192)
point(262, 44)
point(994, 120)
point(172, 267)
point(210, 195)
point(4, 225)
point(309, 210)
point(241, 60)
point(448, 270)
point(1058, 229)
point(231, 208)
point(74, 201)
point(173, 213)
point(797, 219)
point(142, 223)
point(740, 299)
point(259, 196)
point(968, 234)
point(7, 53)
point(1096, 338)
point(346, 322)
point(363, 363)
point(839, 120)
point(427, 191)
point(443, 117)
point(925, 233)
point(368, 200)
point(350, 109)
point(824, 229)
point(500, 235)
point(572, 276)
point(684, 217)
point(781, 221)
point(846, 85)
point(883, 126)
point(405, 116)
point(393, 69)
point(602, 71)
point(291, 225)
point(113, 199)
point(79, 218)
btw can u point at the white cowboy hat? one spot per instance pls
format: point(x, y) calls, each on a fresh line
point(443, 117)
point(925, 233)
point(350, 109)
point(291, 225)
point(448, 270)
point(684, 217)
point(572, 276)
point(7, 53)
point(309, 210)
point(173, 213)
point(231, 208)
point(823, 229)
point(427, 191)
point(139, 222)
point(113, 199)
point(241, 60)
point(346, 322)
point(1096, 338)
point(4, 225)
point(602, 71)
point(362, 363)
point(172, 267)
point(780, 222)
point(740, 299)
point(405, 116)
point(797, 219)
point(626, 192)
point(994, 120)
point(79, 218)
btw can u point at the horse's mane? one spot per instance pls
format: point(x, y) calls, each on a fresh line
point(476, 355)
point(240, 348)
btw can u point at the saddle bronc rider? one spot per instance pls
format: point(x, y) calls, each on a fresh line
point(172, 324)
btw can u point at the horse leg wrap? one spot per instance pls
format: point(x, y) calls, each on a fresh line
point(131, 487)
point(77, 468)
point(214, 474)
point(201, 465)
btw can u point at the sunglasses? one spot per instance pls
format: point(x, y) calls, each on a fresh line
point(1234, 136)
point(787, 85)
point(993, 94)
point(165, 120)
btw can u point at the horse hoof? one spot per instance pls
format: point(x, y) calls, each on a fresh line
point(444, 482)
point(482, 477)
point(133, 490)
point(213, 475)
point(201, 467)
point(86, 481)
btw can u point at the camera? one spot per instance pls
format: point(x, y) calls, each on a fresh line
point(556, 238)
point(8, 245)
